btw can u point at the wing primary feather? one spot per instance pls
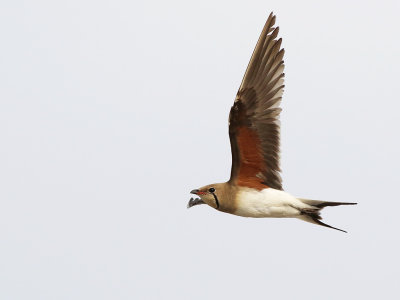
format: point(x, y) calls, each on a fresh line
point(270, 43)
point(258, 49)
point(269, 62)
point(254, 125)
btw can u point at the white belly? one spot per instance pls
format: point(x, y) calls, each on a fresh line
point(267, 203)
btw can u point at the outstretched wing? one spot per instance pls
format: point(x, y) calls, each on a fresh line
point(254, 117)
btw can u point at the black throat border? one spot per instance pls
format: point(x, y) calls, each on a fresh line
point(216, 199)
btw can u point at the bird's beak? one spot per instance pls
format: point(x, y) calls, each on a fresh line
point(194, 192)
point(193, 202)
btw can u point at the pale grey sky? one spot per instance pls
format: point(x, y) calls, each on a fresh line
point(112, 111)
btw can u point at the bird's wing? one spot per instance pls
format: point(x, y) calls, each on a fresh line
point(254, 117)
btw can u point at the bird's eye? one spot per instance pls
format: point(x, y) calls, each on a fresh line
point(211, 190)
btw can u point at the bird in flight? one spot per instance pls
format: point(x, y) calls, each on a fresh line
point(255, 187)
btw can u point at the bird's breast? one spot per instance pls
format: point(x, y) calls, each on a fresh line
point(266, 203)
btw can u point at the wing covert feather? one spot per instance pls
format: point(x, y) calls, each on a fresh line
point(254, 128)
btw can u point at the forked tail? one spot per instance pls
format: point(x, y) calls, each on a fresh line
point(312, 214)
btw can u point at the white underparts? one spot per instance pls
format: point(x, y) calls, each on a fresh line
point(267, 203)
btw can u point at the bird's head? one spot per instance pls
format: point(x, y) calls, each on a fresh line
point(210, 194)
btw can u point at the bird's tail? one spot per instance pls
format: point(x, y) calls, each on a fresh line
point(312, 214)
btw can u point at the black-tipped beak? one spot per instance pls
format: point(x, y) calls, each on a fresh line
point(194, 192)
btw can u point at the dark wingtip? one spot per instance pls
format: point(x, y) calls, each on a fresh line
point(315, 217)
point(326, 225)
point(319, 222)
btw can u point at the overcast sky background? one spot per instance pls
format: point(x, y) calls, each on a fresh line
point(112, 111)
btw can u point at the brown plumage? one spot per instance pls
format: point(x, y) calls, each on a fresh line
point(254, 116)
point(255, 186)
